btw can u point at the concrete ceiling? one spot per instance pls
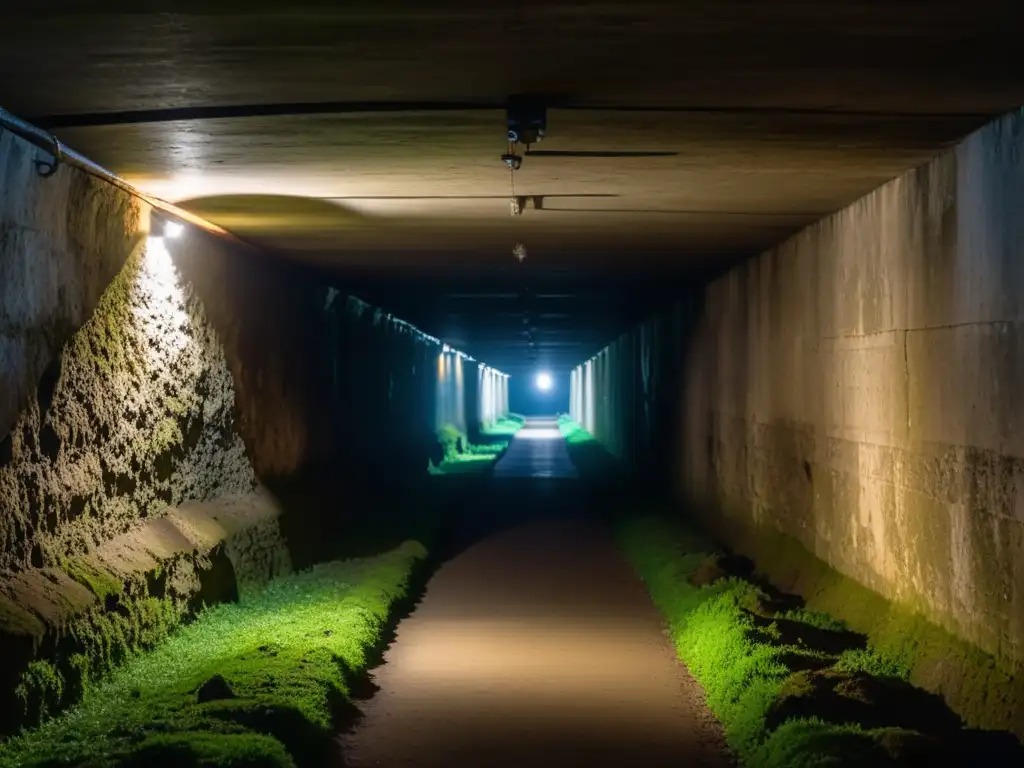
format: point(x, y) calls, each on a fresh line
point(365, 137)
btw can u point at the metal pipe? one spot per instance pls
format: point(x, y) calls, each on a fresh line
point(62, 154)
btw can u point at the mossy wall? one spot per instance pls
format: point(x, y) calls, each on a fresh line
point(118, 413)
point(141, 374)
point(132, 416)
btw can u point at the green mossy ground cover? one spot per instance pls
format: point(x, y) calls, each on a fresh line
point(262, 682)
point(982, 690)
point(791, 686)
point(462, 457)
point(505, 427)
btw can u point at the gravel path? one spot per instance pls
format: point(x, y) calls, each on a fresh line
point(535, 647)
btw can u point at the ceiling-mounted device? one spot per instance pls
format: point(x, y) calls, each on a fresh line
point(526, 123)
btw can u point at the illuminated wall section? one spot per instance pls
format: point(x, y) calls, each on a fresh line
point(858, 388)
point(123, 400)
point(493, 388)
point(452, 402)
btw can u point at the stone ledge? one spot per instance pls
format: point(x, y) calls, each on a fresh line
point(142, 584)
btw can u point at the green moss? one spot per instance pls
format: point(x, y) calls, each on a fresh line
point(452, 440)
point(810, 743)
point(41, 688)
point(285, 655)
point(461, 457)
point(587, 453)
point(103, 639)
point(104, 339)
point(574, 433)
point(984, 692)
point(166, 434)
point(504, 427)
point(763, 671)
point(176, 406)
point(88, 573)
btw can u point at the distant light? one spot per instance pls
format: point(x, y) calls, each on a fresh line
point(173, 230)
point(446, 348)
point(544, 382)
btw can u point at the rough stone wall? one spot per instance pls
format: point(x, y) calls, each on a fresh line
point(859, 388)
point(133, 415)
point(126, 496)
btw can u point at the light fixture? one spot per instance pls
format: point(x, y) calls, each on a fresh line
point(544, 382)
point(173, 229)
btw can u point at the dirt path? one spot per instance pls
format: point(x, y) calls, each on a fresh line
point(535, 647)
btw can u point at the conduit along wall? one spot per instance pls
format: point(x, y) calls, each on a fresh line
point(857, 390)
point(155, 380)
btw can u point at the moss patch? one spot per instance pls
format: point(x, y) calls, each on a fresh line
point(284, 660)
point(505, 427)
point(984, 692)
point(462, 457)
point(95, 643)
point(87, 572)
point(791, 686)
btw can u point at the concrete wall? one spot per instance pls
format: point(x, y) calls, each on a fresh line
point(627, 395)
point(492, 395)
point(859, 388)
point(62, 241)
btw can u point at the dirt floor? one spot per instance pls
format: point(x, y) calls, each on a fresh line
point(537, 646)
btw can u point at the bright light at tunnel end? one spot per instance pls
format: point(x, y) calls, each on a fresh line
point(544, 382)
point(173, 230)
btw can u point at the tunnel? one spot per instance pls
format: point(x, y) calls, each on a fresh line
point(576, 384)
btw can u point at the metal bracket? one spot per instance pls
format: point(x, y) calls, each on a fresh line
point(46, 168)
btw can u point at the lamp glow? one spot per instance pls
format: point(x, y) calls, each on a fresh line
point(544, 382)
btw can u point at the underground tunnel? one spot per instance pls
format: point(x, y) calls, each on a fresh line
point(554, 385)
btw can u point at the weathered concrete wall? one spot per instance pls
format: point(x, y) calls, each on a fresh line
point(62, 240)
point(133, 415)
point(859, 389)
point(627, 395)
